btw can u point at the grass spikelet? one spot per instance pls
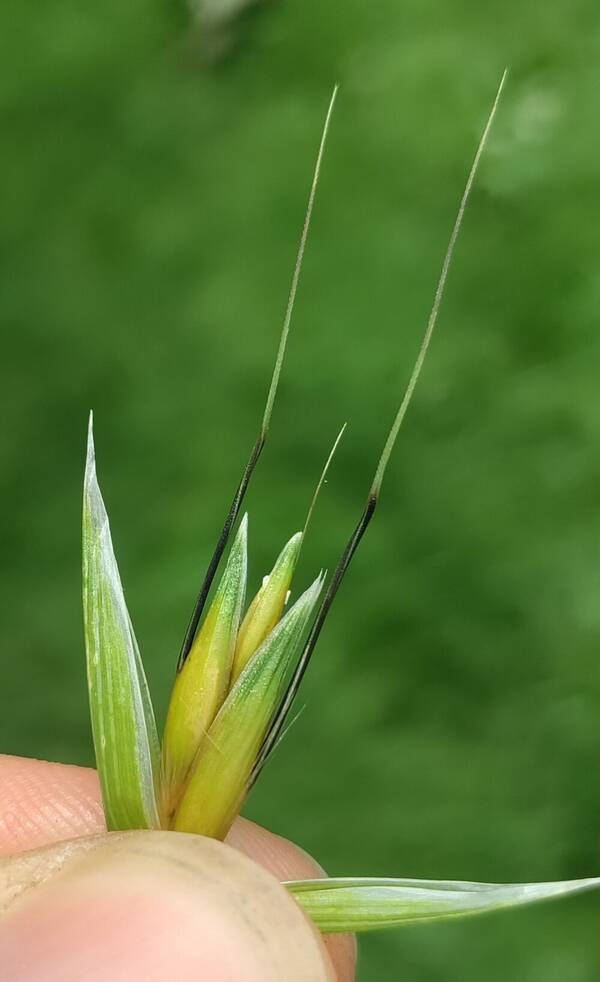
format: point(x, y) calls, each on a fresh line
point(218, 784)
point(235, 685)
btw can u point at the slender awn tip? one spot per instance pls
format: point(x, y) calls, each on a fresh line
point(258, 446)
point(322, 480)
point(437, 300)
point(297, 268)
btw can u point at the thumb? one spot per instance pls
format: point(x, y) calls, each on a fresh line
point(151, 906)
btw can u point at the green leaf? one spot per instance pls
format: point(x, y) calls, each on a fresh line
point(349, 905)
point(219, 780)
point(125, 737)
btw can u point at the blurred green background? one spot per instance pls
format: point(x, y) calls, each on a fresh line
point(151, 205)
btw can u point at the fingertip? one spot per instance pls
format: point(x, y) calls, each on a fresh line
point(43, 803)
point(287, 861)
point(160, 905)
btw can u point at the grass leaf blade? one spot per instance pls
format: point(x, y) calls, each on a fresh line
point(125, 736)
point(349, 905)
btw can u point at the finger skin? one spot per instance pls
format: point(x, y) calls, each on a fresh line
point(158, 905)
point(43, 803)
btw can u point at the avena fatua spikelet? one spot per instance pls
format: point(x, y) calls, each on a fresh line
point(237, 677)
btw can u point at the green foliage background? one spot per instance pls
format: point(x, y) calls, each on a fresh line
point(150, 211)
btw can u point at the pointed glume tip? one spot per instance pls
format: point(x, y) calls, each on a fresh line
point(90, 463)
